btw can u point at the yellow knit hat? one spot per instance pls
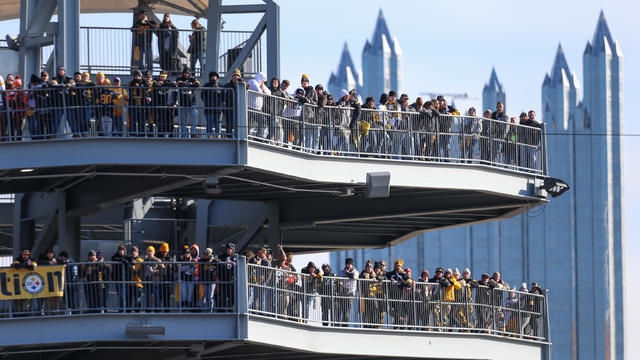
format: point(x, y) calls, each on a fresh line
point(150, 247)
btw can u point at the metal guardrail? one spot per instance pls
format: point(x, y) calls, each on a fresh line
point(384, 304)
point(54, 112)
point(112, 50)
point(332, 130)
point(111, 287)
point(135, 286)
point(58, 111)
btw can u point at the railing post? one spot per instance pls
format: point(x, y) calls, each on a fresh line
point(302, 132)
point(493, 311)
point(467, 290)
point(88, 51)
point(332, 321)
point(242, 286)
point(242, 123)
point(305, 308)
point(415, 310)
point(547, 327)
point(545, 170)
point(439, 159)
point(490, 135)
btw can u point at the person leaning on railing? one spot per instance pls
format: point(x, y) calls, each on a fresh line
point(328, 291)
point(104, 100)
point(168, 275)
point(23, 261)
point(367, 138)
point(483, 303)
point(51, 304)
point(137, 110)
point(164, 98)
point(312, 281)
point(135, 281)
point(121, 271)
point(152, 270)
point(258, 121)
point(225, 297)
point(92, 277)
point(346, 290)
point(230, 101)
point(213, 99)
point(120, 100)
point(207, 279)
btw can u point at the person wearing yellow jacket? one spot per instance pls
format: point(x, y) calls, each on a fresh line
point(120, 101)
point(450, 285)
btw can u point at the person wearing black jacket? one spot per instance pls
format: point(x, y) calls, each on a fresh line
point(137, 110)
point(213, 100)
point(120, 273)
point(92, 276)
point(230, 101)
point(309, 91)
point(142, 41)
point(328, 289)
point(197, 44)
point(312, 281)
point(483, 296)
point(498, 130)
point(529, 139)
point(23, 261)
point(354, 124)
point(168, 276)
point(167, 44)
point(207, 265)
point(225, 297)
point(187, 113)
point(164, 99)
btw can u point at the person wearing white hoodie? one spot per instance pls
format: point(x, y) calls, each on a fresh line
point(257, 121)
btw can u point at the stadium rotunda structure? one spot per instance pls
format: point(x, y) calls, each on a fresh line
point(251, 186)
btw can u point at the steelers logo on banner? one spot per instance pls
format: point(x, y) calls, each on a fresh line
point(33, 283)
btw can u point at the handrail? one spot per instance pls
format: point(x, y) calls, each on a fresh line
point(407, 135)
point(395, 304)
point(136, 286)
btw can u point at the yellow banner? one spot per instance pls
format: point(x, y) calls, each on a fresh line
point(44, 281)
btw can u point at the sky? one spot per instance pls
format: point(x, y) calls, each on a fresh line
point(451, 47)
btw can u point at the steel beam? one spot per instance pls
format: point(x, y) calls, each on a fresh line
point(34, 18)
point(243, 9)
point(23, 230)
point(47, 236)
point(68, 35)
point(273, 40)
point(214, 21)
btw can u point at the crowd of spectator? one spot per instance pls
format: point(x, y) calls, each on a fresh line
point(204, 282)
point(393, 125)
point(65, 106)
point(310, 117)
